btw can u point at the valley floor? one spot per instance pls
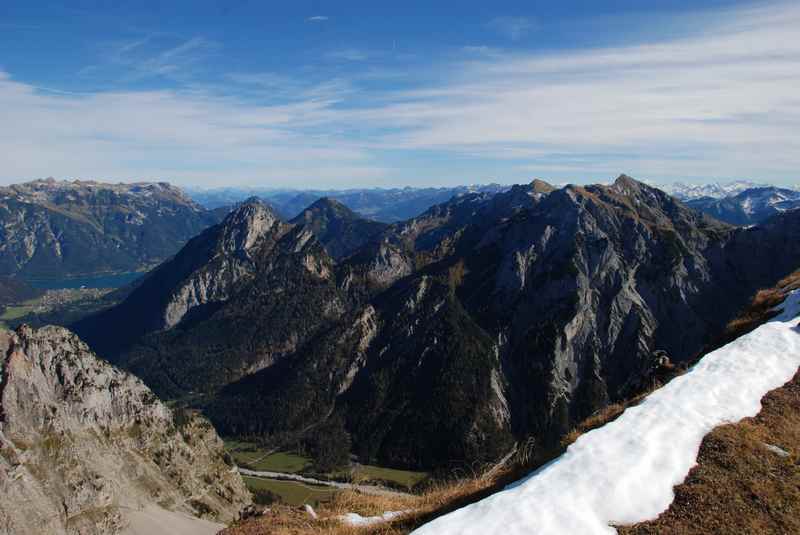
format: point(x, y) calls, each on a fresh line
point(285, 476)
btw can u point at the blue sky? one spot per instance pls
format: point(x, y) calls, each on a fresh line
point(343, 94)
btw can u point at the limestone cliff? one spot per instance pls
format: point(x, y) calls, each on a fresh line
point(82, 444)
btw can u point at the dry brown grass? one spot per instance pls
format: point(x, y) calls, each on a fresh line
point(440, 498)
point(761, 309)
point(740, 486)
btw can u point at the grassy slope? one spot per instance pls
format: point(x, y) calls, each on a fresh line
point(292, 492)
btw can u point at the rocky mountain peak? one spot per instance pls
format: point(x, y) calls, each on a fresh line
point(540, 186)
point(248, 222)
point(331, 205)
point(627, 184)
point(340, 230)
point(324, 210)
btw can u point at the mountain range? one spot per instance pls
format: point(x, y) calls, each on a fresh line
point(490, 318)
point(750, 206)
point(385, 205)
point(714, 190)
point(58, 229)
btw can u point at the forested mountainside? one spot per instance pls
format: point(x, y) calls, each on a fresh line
point(750, 206)
point(379, 204)
point(446, 337)
point(83, 445)
point(13, 290)
point(341, 230)
point(57, 229)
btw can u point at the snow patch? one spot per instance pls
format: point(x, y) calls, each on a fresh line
point(355, 519)
point(625, 471)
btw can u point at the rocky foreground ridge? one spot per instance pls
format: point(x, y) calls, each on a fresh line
point(83, 444)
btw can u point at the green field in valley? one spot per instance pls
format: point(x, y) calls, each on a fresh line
point(406, 478)
point(255, 457)
point(13, 312)
point(291, 492)
point(251, 455)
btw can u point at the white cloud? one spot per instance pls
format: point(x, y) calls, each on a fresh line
point(317, 18)
point(720, 104)
point(184, 136)
point(726, 100)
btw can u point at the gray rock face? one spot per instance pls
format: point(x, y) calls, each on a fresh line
point(232, 261)
point(81, 442)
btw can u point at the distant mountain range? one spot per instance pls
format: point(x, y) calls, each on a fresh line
point(714, 190)
point(385, 205)
point(56, 229)
point(738, 203)
point(489, 318)
point(750, 206)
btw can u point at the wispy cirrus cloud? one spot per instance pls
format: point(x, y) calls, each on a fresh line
point(317, 18)
point(724, 100)
point(174, 59)
point(347, 54)
point(153, 55)
point(514, 28)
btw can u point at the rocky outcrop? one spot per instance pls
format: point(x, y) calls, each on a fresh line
point(54, 229)
point(83, 443)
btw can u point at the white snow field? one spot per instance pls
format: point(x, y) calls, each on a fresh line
point(625, 471)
